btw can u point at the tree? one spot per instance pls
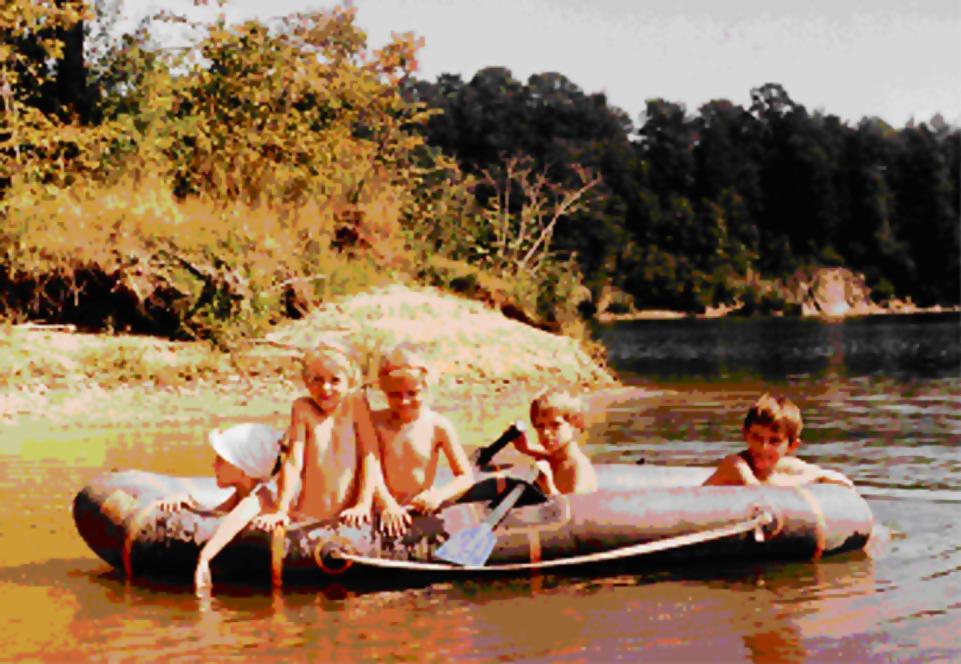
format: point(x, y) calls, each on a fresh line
point(523, 214)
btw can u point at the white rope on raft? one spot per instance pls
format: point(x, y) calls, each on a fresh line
point(755, 523)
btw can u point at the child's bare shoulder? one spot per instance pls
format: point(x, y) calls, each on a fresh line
point(734, 460)
point(303, 403)
point(442, 426)
point(730, 470)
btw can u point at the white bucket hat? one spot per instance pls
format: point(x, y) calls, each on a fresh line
point(253, 448)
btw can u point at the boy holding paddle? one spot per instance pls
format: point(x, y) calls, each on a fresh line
point(412, 437)
point(558, 419)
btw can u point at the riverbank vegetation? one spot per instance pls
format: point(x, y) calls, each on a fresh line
point(724, 204)
point(213, 191)
point(57, 373)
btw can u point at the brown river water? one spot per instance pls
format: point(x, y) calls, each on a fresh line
point(882, 402)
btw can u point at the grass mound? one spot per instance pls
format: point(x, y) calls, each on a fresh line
point(466, 340)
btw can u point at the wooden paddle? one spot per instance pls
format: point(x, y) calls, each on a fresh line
point(472, 547)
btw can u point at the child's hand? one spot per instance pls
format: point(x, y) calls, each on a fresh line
point(425, 502)
point(834, 477)
point(394, 520)
point(356, 515)
point(522, 445)
point(202, 580)
point(270, 521)
point(176, 502)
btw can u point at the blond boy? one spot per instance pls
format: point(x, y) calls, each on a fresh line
point(772, 431)
point(331, 467)
point(558, 419)
point(412, 438)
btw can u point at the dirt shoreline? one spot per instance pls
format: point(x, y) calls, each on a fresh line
point(486, 365)
point(901, 309)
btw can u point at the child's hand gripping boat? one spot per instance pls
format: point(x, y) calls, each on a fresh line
point(645, 515)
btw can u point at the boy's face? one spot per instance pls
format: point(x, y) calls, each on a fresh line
point(406, 395)
point(326, 382)
point(766, 445)
point(554, 431)
point(227, 474)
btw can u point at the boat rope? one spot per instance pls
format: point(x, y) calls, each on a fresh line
point(755, 524)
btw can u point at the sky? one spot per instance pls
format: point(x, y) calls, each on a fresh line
point(895, 59)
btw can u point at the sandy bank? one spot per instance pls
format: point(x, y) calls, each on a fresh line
point(487, 365)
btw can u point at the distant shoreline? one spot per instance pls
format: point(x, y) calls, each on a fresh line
point(480, 357)
point(722, 312)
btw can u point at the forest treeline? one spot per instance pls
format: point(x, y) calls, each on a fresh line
point(698, 209)
point(212, 190)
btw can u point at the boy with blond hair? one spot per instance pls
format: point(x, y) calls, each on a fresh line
point(558, 419)
point(772, 431)
point(412, 437)
point(330, 467)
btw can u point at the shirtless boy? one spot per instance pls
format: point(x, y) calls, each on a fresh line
point(331, 466)
point(412, 438)
point(558, 419)
point(772, 431)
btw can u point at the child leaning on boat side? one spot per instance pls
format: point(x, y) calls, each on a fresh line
point(558, 419)
point(411, 438)
point(247, 456)
point(772, 431)
point(330, 467)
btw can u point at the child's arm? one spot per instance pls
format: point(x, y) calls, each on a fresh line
point(585, 477)
point(233, 523)
point(732, 471)
point(445, 440)
point(545, 480)
point(792, 471)
point(368, 463)
point(291, 471)
point(807, 472)
point(523, 445)
point(394, 518)
point(834, 477)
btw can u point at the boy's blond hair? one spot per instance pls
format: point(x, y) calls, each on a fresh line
point(565, 404)
point(337, 354)
point(777, 412)
point(403, 360)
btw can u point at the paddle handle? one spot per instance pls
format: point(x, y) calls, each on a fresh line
point(512, 433)
point(510, 499)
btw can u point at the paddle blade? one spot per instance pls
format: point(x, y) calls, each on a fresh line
point(469, 548)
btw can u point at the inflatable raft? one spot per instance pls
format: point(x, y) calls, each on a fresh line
point(645, 515)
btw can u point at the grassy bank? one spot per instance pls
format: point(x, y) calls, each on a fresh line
point(486, 364)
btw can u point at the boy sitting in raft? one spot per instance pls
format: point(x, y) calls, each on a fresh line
point(411, 438)
point(772, 431)
point(247, 456)
point(558, 419)
point(330, 465)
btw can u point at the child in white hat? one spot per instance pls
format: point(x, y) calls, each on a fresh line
point(247, 457)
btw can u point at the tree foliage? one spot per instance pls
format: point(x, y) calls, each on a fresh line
point(268, 166)
point(693, 209)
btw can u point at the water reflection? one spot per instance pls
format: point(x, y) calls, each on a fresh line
point(773, 348)
point(881, 402)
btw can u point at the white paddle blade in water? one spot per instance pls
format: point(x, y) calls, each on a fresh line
point(468, 548)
